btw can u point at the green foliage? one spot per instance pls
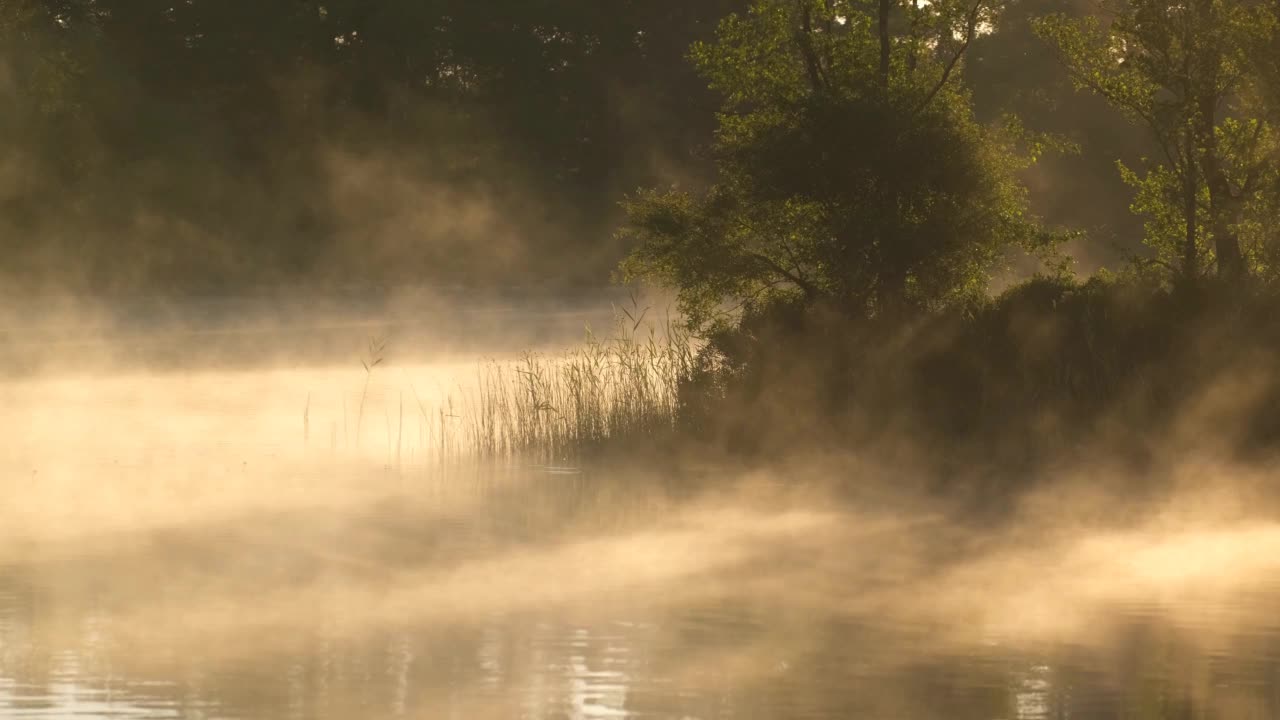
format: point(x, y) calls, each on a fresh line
point(1195, 76)
point(842, 181)
point(1158, 200)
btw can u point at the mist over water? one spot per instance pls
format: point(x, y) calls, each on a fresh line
point(324, 393)
point(207, 540)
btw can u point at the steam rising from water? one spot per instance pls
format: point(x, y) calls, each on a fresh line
point(179, 525)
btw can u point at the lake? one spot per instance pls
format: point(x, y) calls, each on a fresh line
point(276, 537)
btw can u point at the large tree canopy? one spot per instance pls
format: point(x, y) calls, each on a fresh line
point(852, 171)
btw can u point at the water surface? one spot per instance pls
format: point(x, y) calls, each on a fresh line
point(217, 543)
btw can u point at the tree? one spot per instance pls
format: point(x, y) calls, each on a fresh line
point(1009, 71)
point(1188, 71)
point(852, 172)
point(39, 65)
point(167, 114)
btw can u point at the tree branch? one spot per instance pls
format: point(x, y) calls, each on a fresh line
point(812, 65)
point(1252, 176)
point(971, 29)
point(1145, 116)
point(795, 277)
point(913, 58)
point(810, 292)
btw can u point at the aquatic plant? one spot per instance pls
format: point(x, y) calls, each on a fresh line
point(553, 407)
point(373, 358)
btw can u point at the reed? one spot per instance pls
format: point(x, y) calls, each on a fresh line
point(609, 393)
point(606, 393)
point(372, 359)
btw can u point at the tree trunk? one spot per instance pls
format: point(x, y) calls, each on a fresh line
point(891, 291)
point(913, 59)
point(1223, 206)
point(1190, 184)
point(1224, 211)
point(1226, 244)
point(812, 66)
point(886, 44)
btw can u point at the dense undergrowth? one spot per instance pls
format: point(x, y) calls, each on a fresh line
point(1049, 369)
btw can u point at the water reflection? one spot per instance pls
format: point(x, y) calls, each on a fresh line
point(211, 564)
point(640, 655)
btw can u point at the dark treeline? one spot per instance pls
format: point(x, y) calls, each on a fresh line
point(204, 146)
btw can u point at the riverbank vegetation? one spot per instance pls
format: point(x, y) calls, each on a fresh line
point(841, 263)
point(834, 280)
point(993, 229)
